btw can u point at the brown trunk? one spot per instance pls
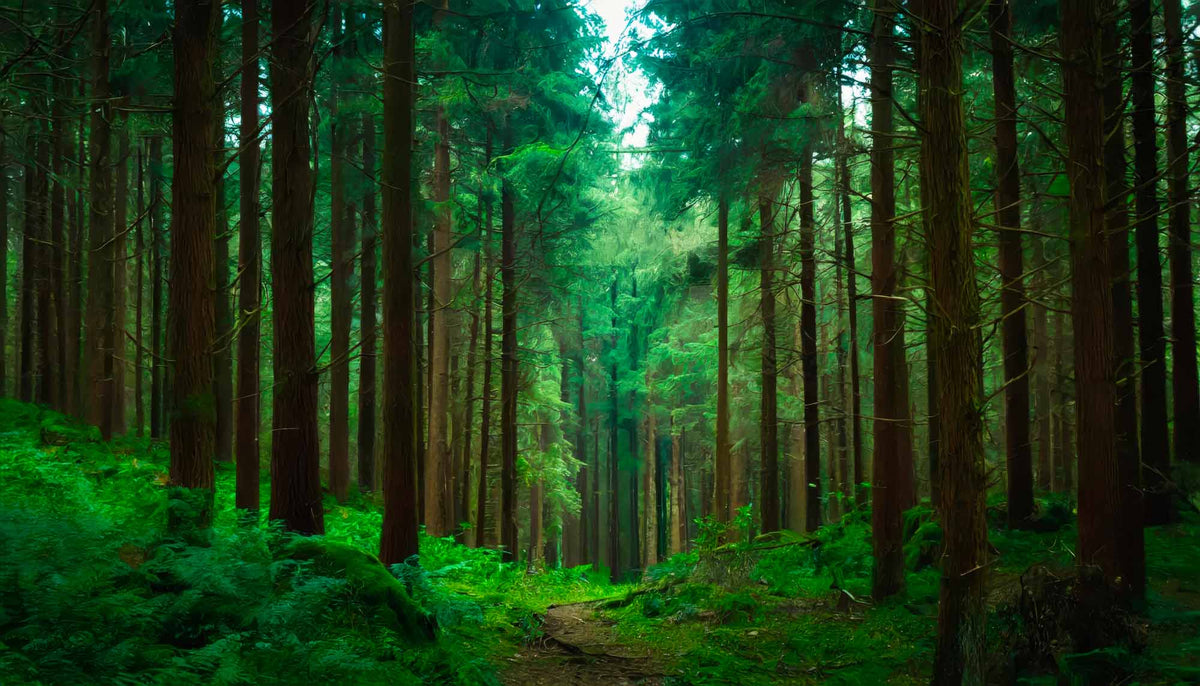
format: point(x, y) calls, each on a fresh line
point(585, 470)
point(650, 493)
point(887, 501)
point(295, 447)
point(945, 186)
point(439, 494)
point(614, 522)
point(485, 404)
point(4, 261)
point(635, 548)
point(1131, 519)
point(1186, 395)
point(1042, 368)
point(75, 295)
point(1012, 295)
point(808, 344)
point(1152, 348)
point(367, 322)
point(721, 463)
point(678, 523)
point(466, 428)
point(250, 267)
point(99, 302)
point(139, 400)
point(1101, 543)
point(119, 336)
point(223, 353)
point(858, 493)
point(27, 314)
point(59, 247)
point(47, 384)
point(399, 537)
point(597, 522)
point(768, 420)
point(158, 417)
point(341, 268)
point(508, 364)
point(192, 201)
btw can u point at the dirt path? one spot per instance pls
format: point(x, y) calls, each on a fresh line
point(579, 648)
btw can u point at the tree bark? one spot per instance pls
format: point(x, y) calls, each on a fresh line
point(945, 193)
point(341, 223)
point(485, 404)
point(191, 318)
point(858, 493)
point(119, 335)
point(58, 244)
point(295, 447)
point(768, 420)
point(1012, 295)
point(4, 260)
point(508, 363)
point(1152, 347)
point(439, 494)
point(97, 395)
point(1102, 543)
point(721, 463)
point(28, 287)
point(399, 537)
point(1186, 394)
point(886, 499)
point(139, 400)
point(158, 417)
point(614, 521)
point(367, 322)
point(250, 267)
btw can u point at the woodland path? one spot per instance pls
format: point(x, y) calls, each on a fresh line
point(577, 647)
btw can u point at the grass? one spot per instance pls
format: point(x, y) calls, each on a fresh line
point(93, 590)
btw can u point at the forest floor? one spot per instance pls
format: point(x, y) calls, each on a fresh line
point(93, 589)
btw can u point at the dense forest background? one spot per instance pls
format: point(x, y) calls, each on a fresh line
point(870, 325)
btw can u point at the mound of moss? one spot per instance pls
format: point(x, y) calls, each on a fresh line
point(373, 589)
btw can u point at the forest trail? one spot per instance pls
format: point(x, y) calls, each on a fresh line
point(577, 647)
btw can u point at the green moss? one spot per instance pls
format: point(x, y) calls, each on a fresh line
point(370, 583)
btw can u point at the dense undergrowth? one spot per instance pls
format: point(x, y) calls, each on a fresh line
point(93, 590)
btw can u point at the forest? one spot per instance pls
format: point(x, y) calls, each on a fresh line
point(599, 342)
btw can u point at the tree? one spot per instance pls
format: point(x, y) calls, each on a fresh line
point(250, 267)
point(193, 201)
point(1012, 295)
point(295, 448)
point(97, 348)
point(1155, 445)
point(399, 539)
point(955, 314)
point(1184, 381)
point(886, 498)
point(341, 233)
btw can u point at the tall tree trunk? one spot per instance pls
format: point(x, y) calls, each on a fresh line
point(485, 403)
point(858, 492)
point(58, 244)
point(1152, 347)
point(439, 494)
point(250, 267)
point(1012, 294)
point(945, 192)
point(223, 316)
point(768, 420)
point(341, 267)
point(1131, 519)
point(597, 522)
point(4, 259)
point(99, 301)
point(399, 538)
point(678, 525)
point(295, 448)
point(466, 429)
point(367, 325)
point(29, 242)
point(614, 521)
point(75, 296)
point(119, 336)
point(808, 343)
point(887, 501)
point(650, 493)
point(139, 399)
point(46, 354)
point(1042, 369)
point(508, 362)
point(635, 548)
point(1101, 543)
point(191, 301)
point(721, 463)
point(158, 419)
point(586, 473)
point(1186, 394)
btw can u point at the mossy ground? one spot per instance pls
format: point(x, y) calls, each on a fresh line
point(93, 590)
